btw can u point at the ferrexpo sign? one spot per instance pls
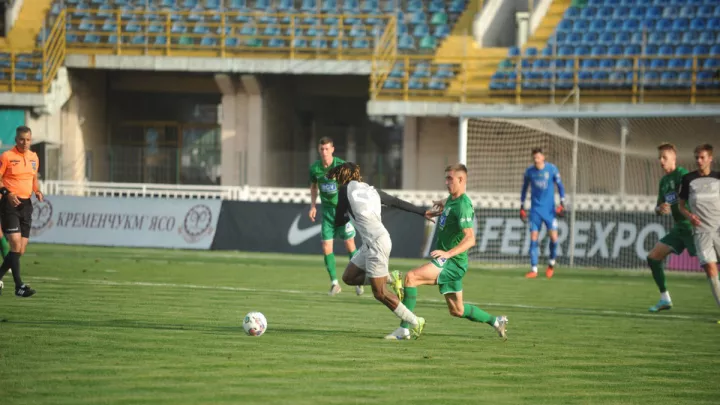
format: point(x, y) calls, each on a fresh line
point(132, 222)
point(603, 239)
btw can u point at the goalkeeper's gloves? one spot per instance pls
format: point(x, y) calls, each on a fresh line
point(523, 215)
point(560, 209)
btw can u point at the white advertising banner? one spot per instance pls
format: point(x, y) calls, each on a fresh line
point(130, 222)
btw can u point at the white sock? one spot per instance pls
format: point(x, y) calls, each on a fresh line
point(534, 269)
point(715, 287)
point(665, 296)
point(335, 282)
point(403, 313)
point(551, 262)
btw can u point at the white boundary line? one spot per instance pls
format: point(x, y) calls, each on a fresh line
point(482, 304)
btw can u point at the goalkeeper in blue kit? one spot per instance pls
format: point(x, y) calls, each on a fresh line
point(542, 178)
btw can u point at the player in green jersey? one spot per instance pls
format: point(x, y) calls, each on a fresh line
point(680, 236)
point(449, 262)
point(328, 199)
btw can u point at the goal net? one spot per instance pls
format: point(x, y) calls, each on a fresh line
point(615, 187)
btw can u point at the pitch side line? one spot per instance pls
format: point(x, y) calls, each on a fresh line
point(483, 304)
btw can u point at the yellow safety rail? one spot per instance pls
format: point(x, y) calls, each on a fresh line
point(426, 78)
point(225, 34)
point(384, 57)
point(53, 51)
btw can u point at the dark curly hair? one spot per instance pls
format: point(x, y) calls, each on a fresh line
point(344, 173)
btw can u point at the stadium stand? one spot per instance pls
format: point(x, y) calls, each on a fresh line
point(612, 44)
point(421, 50)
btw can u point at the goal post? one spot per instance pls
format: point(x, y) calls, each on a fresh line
point(608, 163)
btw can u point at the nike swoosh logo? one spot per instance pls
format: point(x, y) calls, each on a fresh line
point(297, 236)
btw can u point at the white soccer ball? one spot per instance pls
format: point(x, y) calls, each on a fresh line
point(255, 324)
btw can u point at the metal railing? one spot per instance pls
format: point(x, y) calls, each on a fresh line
point(228, 34)
point(539, 79)
point(302, 195)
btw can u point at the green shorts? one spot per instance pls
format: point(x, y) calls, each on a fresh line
point(679, 239)
point(451, 275)
point(328, 230)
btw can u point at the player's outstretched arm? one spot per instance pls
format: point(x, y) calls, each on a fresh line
point(390, 201)
point(343, 207)
point(684, 197)
point(467, 242)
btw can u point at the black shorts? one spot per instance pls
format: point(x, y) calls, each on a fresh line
point(16, 219)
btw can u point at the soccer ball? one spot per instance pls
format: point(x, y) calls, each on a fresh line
point(255, 324)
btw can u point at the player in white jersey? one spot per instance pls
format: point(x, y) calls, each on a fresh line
point(362, 203)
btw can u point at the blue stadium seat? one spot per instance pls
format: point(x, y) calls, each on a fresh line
point(664, 24)
point(597, 25)
point(606, 38)
point(669, 79)
point(632, 50)
point(590, 38)
point(415, 84)
point(700, 50)
point(531, 52)
point(615, 25)
point(706, 38)
point(683, 50)
point(616, 50)
point(654, 12)
point(600, 79)
point(713, 24)
point(705, 11)
point(651, 79)
point(565, 26)
point(658, 64)
point(574, 12)
point(231, 42)
point(598, 50)
point(581, 25)
point(108, 26)
point(605, 13)
point(681, 24)
point(622, 38)
point(687, 12)
point(670, 12)
point(276, 43)
point(437, 84)
point(607, 64)
point(711, 64)
point(621, 12)
point(421, 30)
point(715, 50)
point(566, 51)
point(688, 38)
point(624, 64)
point(285, 5)
point(705, 80)
point(673, 38)
point(436, 6)
point(587, 12)
point(392, 84)
point(457, 6)
point(444, 71)
point(684, 79)
point(574, 38)
point(589, 64)
point(406, 42)
point(309, 5)
point(442, 31)
point(547, 51)
point(655, 38)
point(638, 12)
point(680, 64)
point(319, 43)
point(360, 43)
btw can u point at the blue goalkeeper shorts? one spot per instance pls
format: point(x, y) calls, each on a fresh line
point(537, 219)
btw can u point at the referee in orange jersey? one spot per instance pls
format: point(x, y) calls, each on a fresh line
point(18, 175)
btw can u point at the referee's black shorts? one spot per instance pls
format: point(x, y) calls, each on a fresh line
point(16, 219)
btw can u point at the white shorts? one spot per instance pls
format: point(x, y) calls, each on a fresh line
point(707, 245)
point(374, 257)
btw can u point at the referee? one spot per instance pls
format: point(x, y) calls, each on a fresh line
point(18, 176)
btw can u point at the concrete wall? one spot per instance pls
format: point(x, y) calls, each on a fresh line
point(84, 126)
point(495, 26)
point(427, 150)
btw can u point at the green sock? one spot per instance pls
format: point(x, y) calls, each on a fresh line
point(476, 314)
point(351, 254)
point(409, 301)
point(658, 273)
point(330, 266)
point(4, 246)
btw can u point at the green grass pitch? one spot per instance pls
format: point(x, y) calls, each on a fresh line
point(124, 326)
